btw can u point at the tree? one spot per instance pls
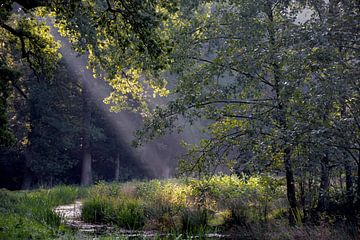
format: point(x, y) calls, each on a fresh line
point(7, 76)
point(123, 40)
point(263, 78)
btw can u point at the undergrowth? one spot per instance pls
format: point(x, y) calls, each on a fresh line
point(186, 206)
point(240, 207)
point(29, 214)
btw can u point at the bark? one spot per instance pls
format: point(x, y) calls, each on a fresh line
point(349, 183)
point(323, 201)
point(117, 166)
point(290, 186)
point(86, 171)
point(302, 197)
point(358, 184)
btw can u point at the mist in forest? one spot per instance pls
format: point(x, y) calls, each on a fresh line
point(158, 157)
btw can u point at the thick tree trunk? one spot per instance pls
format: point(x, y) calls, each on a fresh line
point(323, 201)
point(86, 171)
point(27, 180)
point(117, 166)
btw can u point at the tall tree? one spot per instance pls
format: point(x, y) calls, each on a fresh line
point(264, 75)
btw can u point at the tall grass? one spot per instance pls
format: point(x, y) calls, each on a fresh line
point(125, 212)
point(29, 214)
point(254, 208)
point(184, 205)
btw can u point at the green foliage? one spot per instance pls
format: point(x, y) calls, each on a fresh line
point(18, 227)
point(277, 89)
point(130, 214)
point(121, 205)
point(95, 210)
point(190, 206)
point(29, 215)
point(194, 220)
point(280, 96)
point(7, 76)
point(125, 40)
point(124, 212)
point(126, 46)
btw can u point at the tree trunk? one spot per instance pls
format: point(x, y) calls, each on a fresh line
point(323, 201)
point(303, 197)
point(27, 180)
point(290, 187)
point(117, 166)
point(358, 184)
point(349, 183)
point(28, 152)
point(86, 171)
point(281, 119)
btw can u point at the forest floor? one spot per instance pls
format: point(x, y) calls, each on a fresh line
point(221, 207)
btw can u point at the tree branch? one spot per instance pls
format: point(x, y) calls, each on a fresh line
point(248, 75)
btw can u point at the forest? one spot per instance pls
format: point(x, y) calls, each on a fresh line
point(175, 119)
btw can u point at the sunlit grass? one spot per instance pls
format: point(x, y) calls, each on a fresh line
point(184, 205)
